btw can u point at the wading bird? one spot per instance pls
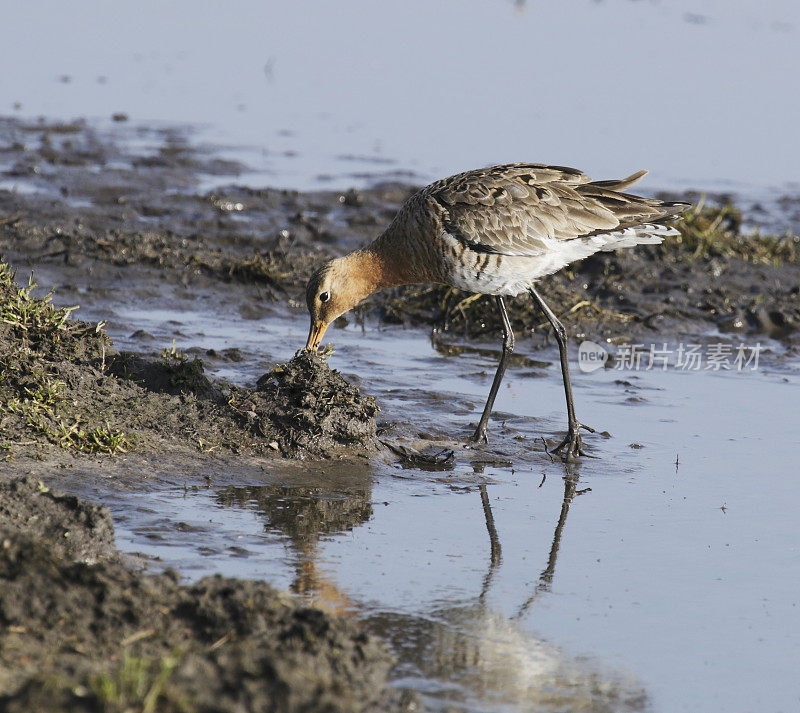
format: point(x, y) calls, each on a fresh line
point(494, 231)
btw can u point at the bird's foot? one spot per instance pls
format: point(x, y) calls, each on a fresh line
point(572, 445)
point(480, 435)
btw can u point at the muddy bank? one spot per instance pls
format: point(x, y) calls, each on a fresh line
point(89, 205)
point(82, 631)
point(62, 383)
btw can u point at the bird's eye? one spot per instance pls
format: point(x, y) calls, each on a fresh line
point(324, 296)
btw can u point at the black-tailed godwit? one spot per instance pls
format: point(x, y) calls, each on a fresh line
point(495, 231)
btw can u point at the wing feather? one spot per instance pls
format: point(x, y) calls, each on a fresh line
point(514, 209)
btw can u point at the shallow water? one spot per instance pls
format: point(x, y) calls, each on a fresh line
point(661, 577)
point(314, 93)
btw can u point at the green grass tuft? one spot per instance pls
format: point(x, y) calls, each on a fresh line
point(40, 345)
point(140, 685)
point(32, 320)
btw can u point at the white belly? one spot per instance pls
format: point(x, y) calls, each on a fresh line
point(494, 274)
point(490, 282)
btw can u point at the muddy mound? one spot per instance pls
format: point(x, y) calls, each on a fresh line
point(305, 406)
point(63, 384)
point(102, 637)
point(174, 373)
point(77, 530)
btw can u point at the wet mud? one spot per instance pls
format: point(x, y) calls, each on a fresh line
point(84, 631)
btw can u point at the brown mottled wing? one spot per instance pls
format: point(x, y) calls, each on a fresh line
point(512, 209)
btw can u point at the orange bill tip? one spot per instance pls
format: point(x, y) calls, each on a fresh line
point(315, 335)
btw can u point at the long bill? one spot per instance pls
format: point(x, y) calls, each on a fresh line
point(315, 334)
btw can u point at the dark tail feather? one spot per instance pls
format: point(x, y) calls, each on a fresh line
point(622, 183)
point(672, 209)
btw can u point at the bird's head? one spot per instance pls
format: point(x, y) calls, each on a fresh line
point(334, 289)
point(340, 284)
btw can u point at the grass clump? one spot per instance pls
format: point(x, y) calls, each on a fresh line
point(185, 375)
point(139, 684)
point(103, 439)
point(716, 231)
point(40, 395)
point(33, 321)
point(45, 361)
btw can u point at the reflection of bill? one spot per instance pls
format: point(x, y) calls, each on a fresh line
point(306, 514)
point(591, 356)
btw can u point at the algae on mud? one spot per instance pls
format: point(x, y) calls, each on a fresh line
point(82, 631)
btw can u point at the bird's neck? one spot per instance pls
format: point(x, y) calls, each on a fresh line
point(374, 268)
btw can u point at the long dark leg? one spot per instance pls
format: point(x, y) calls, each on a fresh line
point(572, 443)
point(494, 541)
point(546, 577)
point(508, 347)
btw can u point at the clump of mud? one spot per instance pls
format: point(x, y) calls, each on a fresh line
point(85, 636)
point(305, 406)
point(75, 529)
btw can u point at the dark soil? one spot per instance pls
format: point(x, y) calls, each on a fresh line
point(71, 528)
point(82, 631)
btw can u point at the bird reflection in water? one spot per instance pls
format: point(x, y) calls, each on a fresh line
point(305, 515)
point(470, 652)
point(478, 655)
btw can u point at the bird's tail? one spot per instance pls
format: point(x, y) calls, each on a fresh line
point(645, 234)
point(622, 183)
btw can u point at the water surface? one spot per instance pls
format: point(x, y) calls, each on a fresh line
point(318, 93)
point(660, 576)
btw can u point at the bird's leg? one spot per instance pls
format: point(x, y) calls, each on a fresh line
point(571, 445)
point(508, 347)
